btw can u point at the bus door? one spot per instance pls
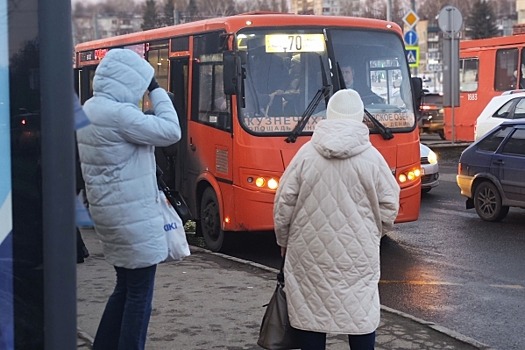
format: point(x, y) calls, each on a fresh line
point(210, 131)
point(179, 68)
point(84, 85)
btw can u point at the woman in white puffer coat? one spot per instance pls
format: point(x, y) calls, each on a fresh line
point(116, 152)
point(334, 200)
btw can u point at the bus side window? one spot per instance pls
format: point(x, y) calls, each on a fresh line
point(522, 69)
point(210, 105)
point(213, 105)
point(158, 57)
point(506, 64)
point(468, 74)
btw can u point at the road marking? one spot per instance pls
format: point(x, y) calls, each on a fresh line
point(421, 283)
point(455, 212)
point(447, 177)
point(444, 283)
point(508, 286)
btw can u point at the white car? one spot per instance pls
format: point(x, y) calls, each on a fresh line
point(429, 169)
point(507, 106)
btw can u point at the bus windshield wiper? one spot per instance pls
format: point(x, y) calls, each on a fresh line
point(383, 130)
point(322, 92)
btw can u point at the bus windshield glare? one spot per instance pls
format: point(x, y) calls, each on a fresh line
point(285, 69)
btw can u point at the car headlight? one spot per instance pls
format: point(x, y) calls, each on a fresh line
point(432, 157)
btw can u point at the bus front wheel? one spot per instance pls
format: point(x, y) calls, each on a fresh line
point(210, 221)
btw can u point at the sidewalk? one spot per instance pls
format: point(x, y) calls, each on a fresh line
point(212, 301)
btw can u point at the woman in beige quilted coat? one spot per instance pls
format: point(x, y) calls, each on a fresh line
point(333, 202)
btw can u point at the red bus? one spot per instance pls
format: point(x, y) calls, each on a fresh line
point(249, 90)
point(487, 68)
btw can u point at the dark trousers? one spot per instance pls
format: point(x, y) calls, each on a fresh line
point(82, 251)
point(124, 323)
point(317, 341)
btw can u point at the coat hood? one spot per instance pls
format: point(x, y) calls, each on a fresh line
point(123, 76)
point(340, 138)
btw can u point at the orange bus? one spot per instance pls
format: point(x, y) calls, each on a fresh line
point(249, 90)
point(487, 67)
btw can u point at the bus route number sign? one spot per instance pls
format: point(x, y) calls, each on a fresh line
point(294, 43)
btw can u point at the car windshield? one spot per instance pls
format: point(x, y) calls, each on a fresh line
point(285, 69)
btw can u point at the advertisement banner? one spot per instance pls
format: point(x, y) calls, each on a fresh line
point(6, 217)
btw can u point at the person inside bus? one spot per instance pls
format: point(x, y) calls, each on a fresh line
point(519, 83)
point(116, 152)
point(264, 82)
point(367, 95)
point(331, 251)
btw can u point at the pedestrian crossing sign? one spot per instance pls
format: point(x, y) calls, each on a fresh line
point(412, 53)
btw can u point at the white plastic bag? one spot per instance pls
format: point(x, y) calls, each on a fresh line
point(178, 247)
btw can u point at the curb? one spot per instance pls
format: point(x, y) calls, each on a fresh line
point(446, 144)
point(88, 340)
point(450, 333)
point(458, 336)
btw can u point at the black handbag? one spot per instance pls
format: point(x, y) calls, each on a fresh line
point(276, 332)
point(179, 204)
point(175, 198)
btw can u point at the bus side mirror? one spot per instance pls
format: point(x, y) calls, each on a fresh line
point(232, 72)
point(417, 90)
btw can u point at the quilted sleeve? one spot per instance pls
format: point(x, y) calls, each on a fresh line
point(285, 201)
point(161, 129)
point(388, 191)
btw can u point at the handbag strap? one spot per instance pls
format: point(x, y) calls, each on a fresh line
point(280, 275)
point(160, 181)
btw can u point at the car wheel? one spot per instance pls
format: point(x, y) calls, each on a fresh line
point(487, 201)
point(210, 221)
point(425, 190)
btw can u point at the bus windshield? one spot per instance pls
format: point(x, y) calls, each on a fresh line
point(285, 68)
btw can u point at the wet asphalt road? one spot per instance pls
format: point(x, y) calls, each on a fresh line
point(449, 267)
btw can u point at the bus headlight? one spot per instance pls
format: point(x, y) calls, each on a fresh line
point(260, 182)
point(273, 184)
point(268, 182)
point(409, 175)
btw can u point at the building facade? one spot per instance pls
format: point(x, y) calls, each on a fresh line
point(97, 26)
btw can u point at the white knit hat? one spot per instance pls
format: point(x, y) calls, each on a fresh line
point(345, 104)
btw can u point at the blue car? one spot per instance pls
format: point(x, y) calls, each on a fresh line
point(491, 171)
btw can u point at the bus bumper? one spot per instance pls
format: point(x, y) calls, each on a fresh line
point(409, 203)
point(251, 211)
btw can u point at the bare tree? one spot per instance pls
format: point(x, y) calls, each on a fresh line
point(243, 6)
point(374, 9)
point(505, 9)
point(351, 8)
point(216, 8)
point(430, 8)
point(284, 6)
